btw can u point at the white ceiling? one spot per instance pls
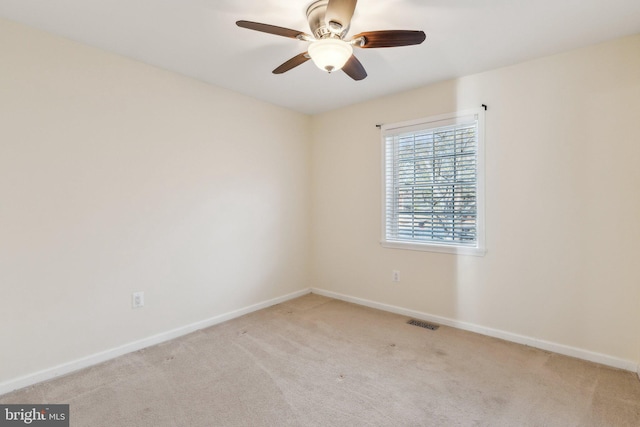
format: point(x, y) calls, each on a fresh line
point(199, 38)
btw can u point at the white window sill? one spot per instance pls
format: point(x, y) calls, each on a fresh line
point(430, 247)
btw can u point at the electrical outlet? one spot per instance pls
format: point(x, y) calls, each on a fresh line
point(395, 275)
point(137, 300)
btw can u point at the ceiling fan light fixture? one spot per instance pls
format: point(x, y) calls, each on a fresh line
point(330, 54)
point(329, 21)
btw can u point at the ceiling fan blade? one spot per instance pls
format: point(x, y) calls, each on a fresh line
point(390, 38)
point(354, 69)
point(292, 63)
point(338, 14)
point(271, 29)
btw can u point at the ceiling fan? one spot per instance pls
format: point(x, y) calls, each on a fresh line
point(329, 21)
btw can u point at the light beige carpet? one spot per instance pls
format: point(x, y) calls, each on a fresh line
point(315, 361)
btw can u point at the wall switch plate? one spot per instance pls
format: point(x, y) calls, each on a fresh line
point(395, 275)
point(137, 300)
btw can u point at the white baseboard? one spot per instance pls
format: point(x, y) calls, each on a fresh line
point(94, 359)
point(507, 336)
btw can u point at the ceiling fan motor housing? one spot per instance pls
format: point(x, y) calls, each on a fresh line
point(316, 17)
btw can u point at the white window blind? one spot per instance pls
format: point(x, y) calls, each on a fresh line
point(432, 182)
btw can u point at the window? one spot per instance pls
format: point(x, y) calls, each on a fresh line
point(433, 187)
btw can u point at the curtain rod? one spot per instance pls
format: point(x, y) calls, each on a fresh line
point(379, 126)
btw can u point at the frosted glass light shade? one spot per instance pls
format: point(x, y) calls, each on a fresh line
point(330, 54)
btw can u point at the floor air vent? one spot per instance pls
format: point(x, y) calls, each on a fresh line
point(423, 324)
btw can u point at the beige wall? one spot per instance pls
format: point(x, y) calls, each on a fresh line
point(562, 203)
point(118, 177)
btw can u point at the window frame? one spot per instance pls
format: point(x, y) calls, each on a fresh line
point(428, 123)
